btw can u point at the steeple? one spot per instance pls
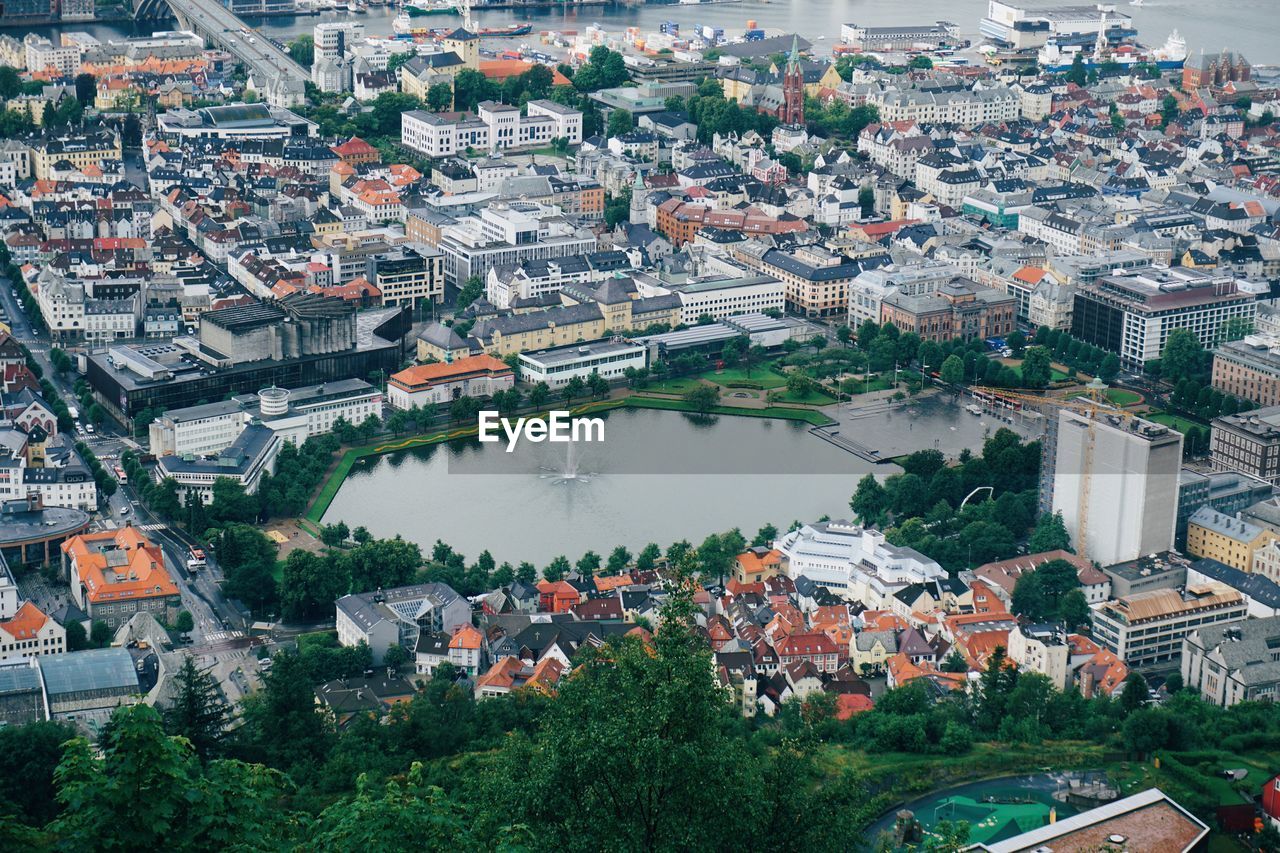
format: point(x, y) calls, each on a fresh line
point(793, 59)
point(792, 111)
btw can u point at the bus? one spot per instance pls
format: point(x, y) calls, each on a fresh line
point(121, 477)
point(195, 560)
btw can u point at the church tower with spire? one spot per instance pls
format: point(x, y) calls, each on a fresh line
point(639, 214)
point(793, 87)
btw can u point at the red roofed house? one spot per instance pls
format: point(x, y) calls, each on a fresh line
point(511, 674)
point(429, 384)
point(848, 704)
point(556, 596)
point(1271, 800)
point(356, 151)
point(756, 564)
point(815, 647)
point(28, 632)
point(465, 649)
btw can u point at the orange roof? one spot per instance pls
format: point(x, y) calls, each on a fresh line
point(608, 583)
point(848, 704)
point(342, 167)
point(1030, 275)
point(26, 623)
point(882, 620)
point(431, 374)
point(467, 637)
point(753, 562)
point(501, 69)
point(118, 564)
point(355, 146)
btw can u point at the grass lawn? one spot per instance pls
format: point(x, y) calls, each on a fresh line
point(760, 375)
point(1118, 396)
point(1055, 375)
point(880, 382)
point(1178, 422)
point(676, 385)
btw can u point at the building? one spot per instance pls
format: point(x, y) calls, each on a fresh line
point(1149, 820)
point(1002, 576)
point(720, 296)
point(1260, 591)
point(114, 574)
point(1235, 662)
point(1148, 628)
point(854, 562)
point(82, 151)
point(42, 55)
point(77, 683)
point(1229, 540)
point(388, 617)
point(410, 277)
point(233, 122)
point(898, 38)
point(1228, 492)
point(1114, 476)
point(507, 234)
point(960, 308)
point(1043, 649)
point(1248, 443)
point(816, 280)
point(792, 110)
point(32, 534)
point(1215, 69)
point(25, 631)
point(439, 383)
point(295, 414)
point(496, 127)
point(250, 457)
point(557, 367)
point(302, 340)
point(1249, 369)
point(1132, 314)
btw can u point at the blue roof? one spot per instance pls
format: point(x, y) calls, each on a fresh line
point(95, 669)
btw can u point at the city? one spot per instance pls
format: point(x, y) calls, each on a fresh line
point(430, 425)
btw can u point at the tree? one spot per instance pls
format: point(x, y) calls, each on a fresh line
point(77, 639)
point(310, 583)
point(703, 397)
point(636, 730)
point(952, 371)
point(197, 710)
point(765, 536)
point(1050, 534)
point(1028, 599)
point(648, 557)
point(184, 624)
point(10, 82)
point(1077, 73)
point(620, 123)
point(29, 755)
point(1109, 369)
point(1036, 367)
point(955, 662)
point(99, 634)
point(395, 656)
point(1182, 356)
point(921, 62)
point(1073, 609)
point(539, 394)
point(574, 388)
point(869, 501)
point(471, 290)
point(303, 50)
point(1146, 730)
point(597, 385)
point(1136, 693)
point(439, 97)
point(619, 558)
point(556, 569)
point(282, 727)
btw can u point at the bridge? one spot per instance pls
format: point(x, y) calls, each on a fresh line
point(224, 29)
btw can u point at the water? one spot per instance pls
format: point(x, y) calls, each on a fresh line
point(1249, 26)
point(658, 477)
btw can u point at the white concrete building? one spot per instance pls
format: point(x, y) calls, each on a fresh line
point(557, 367)
point(855, 562)
point(425, 385)
point(1043, 649)
point(42, 54)
point(868, 290)
point(497, 127)
point(718, 296)
point(1148, 628)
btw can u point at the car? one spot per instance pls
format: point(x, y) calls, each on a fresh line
point(124, 510)
point(88, 428)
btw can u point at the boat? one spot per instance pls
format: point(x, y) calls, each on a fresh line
point(1058, 54)
point(505, 32)
point(419, 10)
point(1137, 3)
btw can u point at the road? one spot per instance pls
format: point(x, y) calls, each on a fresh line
point(215, 22)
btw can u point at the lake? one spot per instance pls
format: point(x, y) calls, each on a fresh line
point(1249, 26)
point(657, 477)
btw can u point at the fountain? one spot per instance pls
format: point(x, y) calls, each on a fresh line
point(568, 473)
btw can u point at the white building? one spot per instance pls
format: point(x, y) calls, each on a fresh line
point(25, 631)
point(868, 290)
point(1043, 649)
point(559, 366)
point(334, 39)
point(245, 461)
point(1148, 628)
point(1127, 469)
point(497, 127)
point(719, 296)
point(42, 54)
point(855, 562)
point(388, 617)
point(293, 414)
point(507, 234)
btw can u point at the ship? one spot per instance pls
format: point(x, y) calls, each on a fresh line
point(422, 9)
point(1058, 54)
point(505, 32)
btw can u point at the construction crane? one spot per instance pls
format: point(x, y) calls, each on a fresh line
point(1091, 404)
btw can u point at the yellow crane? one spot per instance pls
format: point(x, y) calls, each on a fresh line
point(1090, 404)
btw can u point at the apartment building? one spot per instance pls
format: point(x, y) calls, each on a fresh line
point(80, 150)
point(410, 277)
point(1225, 538)
point(114, 574)
point(816, 281)
point(1148, 628)
point(496, 127)
point(1248, 443)
point(1235, 662)
point(959, 308)
point(1249, 369)
point(505, 234)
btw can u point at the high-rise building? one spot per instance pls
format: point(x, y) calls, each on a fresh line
point(1127, 470)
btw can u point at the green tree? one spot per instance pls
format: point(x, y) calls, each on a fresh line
point(1182, 356)
point(10, 82)
point(619, 559)
point(99, 634)
point(921, 62)
point(77, 638)
point(1077, 73)
point(471, 290)
point(1146, 730)
point(636, 730)
point(869, 501)
point(952, 371)
point(303, 50)
point(1136, 693)
point(1036, 367)
point(573, 389)
point(648, 557)
point(1050, 534)
point(1109, 369)
point(538, 395)
point(620, 123)
point(197, 710)
point(282, 727)
point(184, 624)
point(439, 97)
point(1073, 609)
point(310, 583)
point(703, 397)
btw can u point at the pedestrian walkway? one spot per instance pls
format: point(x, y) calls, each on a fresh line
point(152, 528)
